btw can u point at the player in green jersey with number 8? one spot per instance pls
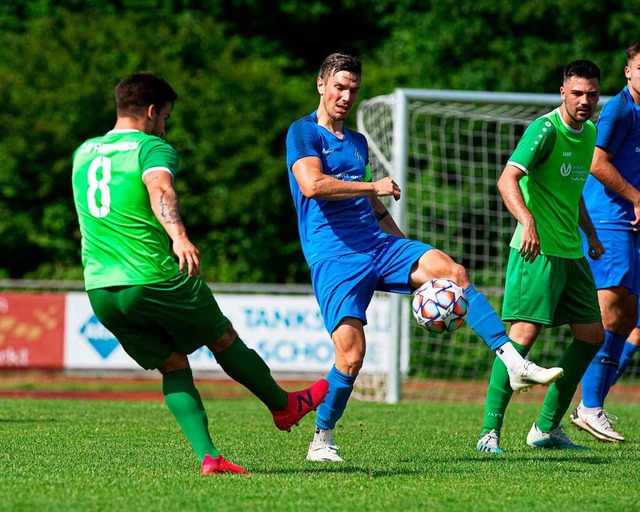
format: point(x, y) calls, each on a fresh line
point(158, 308)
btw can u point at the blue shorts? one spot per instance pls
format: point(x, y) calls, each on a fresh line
point(345, 285)
point(620, 264)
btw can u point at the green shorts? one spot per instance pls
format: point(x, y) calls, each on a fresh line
point(550, 291)
point(153, 320)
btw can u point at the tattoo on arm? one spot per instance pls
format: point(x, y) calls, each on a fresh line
point(169, 208)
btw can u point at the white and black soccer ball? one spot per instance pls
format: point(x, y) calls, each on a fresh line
point(440, 305)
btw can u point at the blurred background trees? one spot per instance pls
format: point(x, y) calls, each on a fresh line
point(244, 70)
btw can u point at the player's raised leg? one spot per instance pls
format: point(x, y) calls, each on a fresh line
point(244, 365)
point(483, 319)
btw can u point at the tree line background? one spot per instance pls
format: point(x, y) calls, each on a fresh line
point(244, 70)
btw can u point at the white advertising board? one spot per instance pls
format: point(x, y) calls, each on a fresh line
point(286, 330)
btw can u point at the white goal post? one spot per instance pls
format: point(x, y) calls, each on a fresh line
point(446, 150)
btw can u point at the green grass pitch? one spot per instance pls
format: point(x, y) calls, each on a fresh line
point(74, 455)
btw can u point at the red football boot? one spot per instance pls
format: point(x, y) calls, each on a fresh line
point(300, 403)
point(212, 466)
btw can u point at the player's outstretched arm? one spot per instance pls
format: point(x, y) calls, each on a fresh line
point(164, 203)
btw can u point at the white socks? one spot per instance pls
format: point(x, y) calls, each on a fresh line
point(510, 357)
point(323, 436)
point(589, 410)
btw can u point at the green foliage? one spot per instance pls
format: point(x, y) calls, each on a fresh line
point(244, 70)
point(233, 181)
point(501, 45)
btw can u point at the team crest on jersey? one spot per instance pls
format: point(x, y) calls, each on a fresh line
point(357, 154)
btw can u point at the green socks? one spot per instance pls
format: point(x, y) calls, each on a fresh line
point(575, 360)
point(183, 400)
point(185, 404)
point(245, 366)
point(498, 393)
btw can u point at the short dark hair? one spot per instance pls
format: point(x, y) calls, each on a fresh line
point(136, 92)
point(633, 50)
point(582, 68)
point(337, 62)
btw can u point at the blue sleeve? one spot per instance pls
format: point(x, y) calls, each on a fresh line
point(302, 141)
point(614, 123)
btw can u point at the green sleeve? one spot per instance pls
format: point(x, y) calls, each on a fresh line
point(155, 152)
point(367, 173)
point(536, 144)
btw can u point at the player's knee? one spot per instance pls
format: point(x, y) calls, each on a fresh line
point(224, 341)
point(620, 323)
point(352, 363)
point(174, 362)
point(458, 274)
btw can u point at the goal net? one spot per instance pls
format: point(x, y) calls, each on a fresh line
point(446, 149)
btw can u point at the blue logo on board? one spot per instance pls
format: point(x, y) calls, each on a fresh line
point(99, 337)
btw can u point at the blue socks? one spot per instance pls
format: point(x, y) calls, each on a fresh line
point(628, 352)
point(484, 320)
point(602, 371)
point(340, 388)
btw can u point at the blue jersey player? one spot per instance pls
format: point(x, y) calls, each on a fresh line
point(354, 247)
point(612, 198)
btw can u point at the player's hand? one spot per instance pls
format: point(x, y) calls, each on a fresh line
point(387, 187)
point(188, 256)
point(529, 243)
point(596, 249)
point(636, 223)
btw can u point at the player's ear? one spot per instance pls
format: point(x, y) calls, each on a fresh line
point(320, 85)
point(151, 112)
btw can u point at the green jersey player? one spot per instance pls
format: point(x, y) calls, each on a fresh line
point(548, 280)
point(158, 308)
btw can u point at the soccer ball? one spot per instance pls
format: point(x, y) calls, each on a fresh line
point(440, 305)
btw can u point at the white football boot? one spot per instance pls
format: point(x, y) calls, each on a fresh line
point(597, 424)
point(530, 374)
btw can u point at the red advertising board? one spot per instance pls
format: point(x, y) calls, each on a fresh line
point(31, 330)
